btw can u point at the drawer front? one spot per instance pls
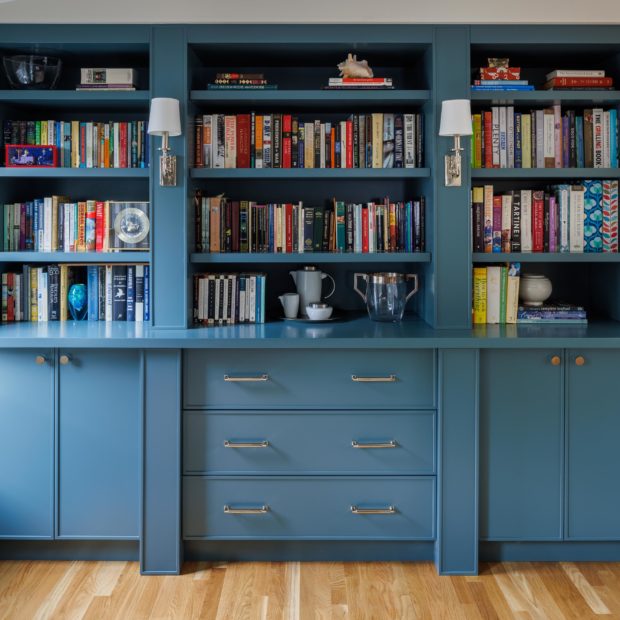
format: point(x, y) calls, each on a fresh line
point(359, 379)
point(302, 442)
point(308, 507)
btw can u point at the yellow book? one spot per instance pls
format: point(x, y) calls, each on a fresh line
point(75, 144)
point(44, 137)
point(480, 295)
point(526, 141)
point(258, 141)
point(377, 140)
point(64, 290)
point(477, 141)
point(34, 285)
point(308, 145)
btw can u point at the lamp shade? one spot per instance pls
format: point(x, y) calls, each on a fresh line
point(455, 118)
point(165, 117)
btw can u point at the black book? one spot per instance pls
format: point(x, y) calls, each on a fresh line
point(368, 153)
point(362, 141)
point(546, 224)
point(220, 300)
point(317, 144)
point(301, 146)
point(309, 229)
point(515, 233)
point(400, 226)
point(477, 217)
point(356, 140)
point(349, 228)
point(53, 293)
point(211, 301)
point(230, 291)
point(328, 150)
point(276, 141)
point(253, 140)
point(319, 213)
point(338, 146)
point(422, 224)
point(295, 143)
point(101, 292)
point(379, 228)
point(399, 141)
point(227, 247)
point(119, 293)
point(419, 131)
point(326, 223)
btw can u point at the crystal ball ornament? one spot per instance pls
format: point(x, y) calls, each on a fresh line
point(78, 302)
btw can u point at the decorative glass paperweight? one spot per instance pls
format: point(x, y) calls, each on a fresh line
point(78, 304)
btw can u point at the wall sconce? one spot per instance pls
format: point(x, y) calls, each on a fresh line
point(456, 122)
point(165, 121)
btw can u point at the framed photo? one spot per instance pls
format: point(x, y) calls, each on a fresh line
point(30, 156)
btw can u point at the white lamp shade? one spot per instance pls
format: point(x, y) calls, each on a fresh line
point(165, 117)
point(455, 118)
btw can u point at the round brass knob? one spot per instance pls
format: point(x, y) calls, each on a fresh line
point(555, 360)
point(40, 359)
point(580, 360)
point(65, 359)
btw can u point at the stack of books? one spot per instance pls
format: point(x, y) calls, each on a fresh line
point(102, 79)
point(555, 314)
point(241, 81)
point(496, 294)
point(229, 298)
point(578, 79)
point(498, 76)
point(224, 225)
point(344, 83)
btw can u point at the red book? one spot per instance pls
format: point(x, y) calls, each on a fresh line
point(287, 127)
point(392, 240)
point(365, 229)
point(333, 147)
point(349, 144)
point(289, 228)
point(123, 139)
point(580, 82)
point(10, 302)
point(99, 232)
point(538, 215)
point(488, 140)
point(243, 140)
point(500, 73)
point(497, 224)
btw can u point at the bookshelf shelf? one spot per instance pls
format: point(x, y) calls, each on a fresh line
point(74, 173)
point(547, 97)
point(310, 257)
point(541, 257)
point(75, 258)
point(55, 99)
point(310, 173)
point(545, 173)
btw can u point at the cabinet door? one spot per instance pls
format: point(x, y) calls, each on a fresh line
point(26, 444)
point(593, 446)
point(99, 443)
point(521, 442)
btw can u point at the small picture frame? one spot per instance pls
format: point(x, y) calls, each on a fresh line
point(30, 156)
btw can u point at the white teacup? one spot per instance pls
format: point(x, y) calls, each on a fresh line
point(290, 304)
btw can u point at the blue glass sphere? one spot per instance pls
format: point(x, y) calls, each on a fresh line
point(78, 301)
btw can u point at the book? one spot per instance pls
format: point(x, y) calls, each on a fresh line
point(575, 73)
point(102, 75)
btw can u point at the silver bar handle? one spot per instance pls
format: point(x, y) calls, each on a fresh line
point(230, 379)
point(369, 444)
point(389, 510)
point(246, 444)
point(259, 510)
point(388, 379)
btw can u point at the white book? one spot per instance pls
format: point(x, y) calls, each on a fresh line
point(242, 280)
point(510, 136)
point(371, 227)
point(300, 227)
point(597, 137)
point(117, 145)
point(322, 146)
point(526, 220)
point(233, 299)
point(357, 238)
point(562, 196)
point(494, 275)
point(140, 304)
point(540, 144)
point(47, 224)
point(548, 137)
point(409, 131)
point(41, 294)
point(577, 73)
point(495, 135)
point(108, 293)
point(230, 141)
point(51, 133)
point(105, 75)
point(267, 141)
point(606, 136)
point(252, 299)
point(577, 193)
point(218, 140)
point(557, 134)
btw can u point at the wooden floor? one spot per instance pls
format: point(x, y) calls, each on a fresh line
point(381, 591)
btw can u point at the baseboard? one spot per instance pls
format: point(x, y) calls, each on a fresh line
point(572, 551)
point(127, 550)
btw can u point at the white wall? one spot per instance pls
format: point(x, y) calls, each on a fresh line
point(311, 11)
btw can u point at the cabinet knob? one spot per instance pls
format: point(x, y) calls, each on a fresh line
point(580, 360)
point(65, 359)
point(40, 359)
point(555, 360)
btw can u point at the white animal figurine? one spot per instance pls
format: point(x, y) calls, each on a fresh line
point(354, 68)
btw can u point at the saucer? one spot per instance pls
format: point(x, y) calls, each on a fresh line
point(303, 319)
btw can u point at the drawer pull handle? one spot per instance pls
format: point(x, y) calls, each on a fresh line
point(65, 359)
point(245, 379)
point(260, 510)
point(369, 444)
point(389, 510)
point(388, 379)
point(40, 359)
point(246, 444)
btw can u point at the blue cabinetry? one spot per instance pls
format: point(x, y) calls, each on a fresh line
point(26, 444)
point(521, 444)
point(593, 445)
point(99, 437)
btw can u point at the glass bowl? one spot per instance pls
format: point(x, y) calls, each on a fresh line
point(32, 72)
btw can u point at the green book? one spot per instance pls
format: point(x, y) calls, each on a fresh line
point(308, 229)
point(503, 288)
point(340, 227)
point(319, 214)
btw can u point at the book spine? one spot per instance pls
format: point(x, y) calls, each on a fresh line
point(538, 207)
point(610, 216)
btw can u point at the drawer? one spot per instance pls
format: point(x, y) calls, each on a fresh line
point(308, 442)
point(357, 379)
point(309, 507)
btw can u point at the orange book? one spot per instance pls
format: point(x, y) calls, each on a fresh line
point(106, 146)
point(258, 142)
point(214, 223)
point(80, 242)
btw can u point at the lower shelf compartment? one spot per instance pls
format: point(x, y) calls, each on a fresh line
point(309, 508)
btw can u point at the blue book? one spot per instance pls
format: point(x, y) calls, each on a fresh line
point(613, 138)
point(40, 218)
point(593, 216)
point(263, 286)
point(147, 293)
point(502, 87)
point(131, 292)
point(579, 133)
point(35, 224)
point(518, 141)
point(92, 287)
point(257, 298)
point(301, 143)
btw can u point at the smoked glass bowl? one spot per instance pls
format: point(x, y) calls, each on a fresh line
point(30, 72)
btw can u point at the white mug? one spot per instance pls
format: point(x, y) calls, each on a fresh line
point(290, 303)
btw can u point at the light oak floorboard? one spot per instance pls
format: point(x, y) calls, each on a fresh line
point(307, 591)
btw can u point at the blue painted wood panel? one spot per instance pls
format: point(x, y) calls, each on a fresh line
point(298, 379)
point(309, 507)
point(521, 445)
point(301, 442)
point(26, 444)
point(593, 446)
point(99, 422)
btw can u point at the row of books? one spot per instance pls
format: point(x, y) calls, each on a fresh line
point(59, 224)
point(229, 298)
point(40, 293)
point(564, 218)
point(545, 138)
point(224, 225)
point(376, 140)
point(85, 144)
